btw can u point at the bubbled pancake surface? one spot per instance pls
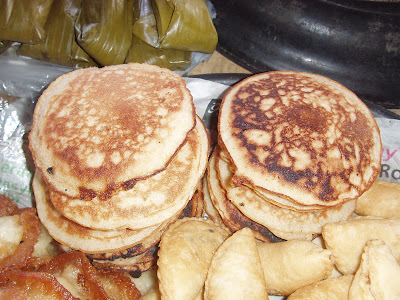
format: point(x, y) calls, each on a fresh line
point(97, 129)
point(300, 135)
point(151, 200)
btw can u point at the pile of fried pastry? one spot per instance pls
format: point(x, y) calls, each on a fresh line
point(289, 206)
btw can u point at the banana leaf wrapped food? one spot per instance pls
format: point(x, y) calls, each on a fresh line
point(60, 46)
point(24, 20)
point(144, 23)
point(190, 26)
point(145, 47)
point(142, 52)
point(84, 33)
point(104, 30)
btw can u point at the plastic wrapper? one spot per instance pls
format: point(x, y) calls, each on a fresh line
point(21, 82)
point(60, 48)
point(103, 30)
point(23, 20)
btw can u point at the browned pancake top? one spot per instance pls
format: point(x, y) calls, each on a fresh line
point(304, 132)
point(96, 129)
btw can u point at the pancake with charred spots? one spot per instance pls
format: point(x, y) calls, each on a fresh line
point(231, 216)
point(96, 131)
point(301, 136)
point(151, 201)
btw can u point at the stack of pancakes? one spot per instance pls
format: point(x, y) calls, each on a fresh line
point(295, 151)
point(119, 153)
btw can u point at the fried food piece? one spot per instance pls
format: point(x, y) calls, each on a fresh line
point(7, 206)
point(382, 199)
point(26, 222)
point(333, 288)
point(117, 285)
point(235, 271)
point(17, 284)
point(75, 272)
point(378, 276)
point(346, 240)
point(293, 264)
point(147, 282)
point(185, 254)
point(44, 250)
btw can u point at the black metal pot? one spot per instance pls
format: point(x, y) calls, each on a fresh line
point(356, 43)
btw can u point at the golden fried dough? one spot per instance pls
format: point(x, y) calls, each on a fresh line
point(235, 271)
point(147, 281)
point(378, 276)
point(347, 240)
point(333, 288)
point(381, 200)
point(293, 264)
point(185, 254)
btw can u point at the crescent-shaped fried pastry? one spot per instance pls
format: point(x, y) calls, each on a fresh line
point(347, 240)
point(293, 264)
point(382, 199)
point(378, 276)
point(235, 271)
point(185, 254)
point(333, 288)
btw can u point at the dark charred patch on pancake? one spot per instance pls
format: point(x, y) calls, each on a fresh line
point(236, 216)
point(127, 185)
point(135, 265)
point(286, 109)
point(87, 194)
point(126, 253)
point(50, 170)
point(187, 211)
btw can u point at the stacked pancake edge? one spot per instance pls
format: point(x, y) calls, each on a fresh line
point(119, 153)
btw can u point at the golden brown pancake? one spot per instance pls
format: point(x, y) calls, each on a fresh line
point(85, 239)
point(209, 207)
point(150, 201)
point(134, 264)
point(301, 136)
point(144, 245)
point(282, 222)
point(232, 217)
point(267, 196)
point(97, 130)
